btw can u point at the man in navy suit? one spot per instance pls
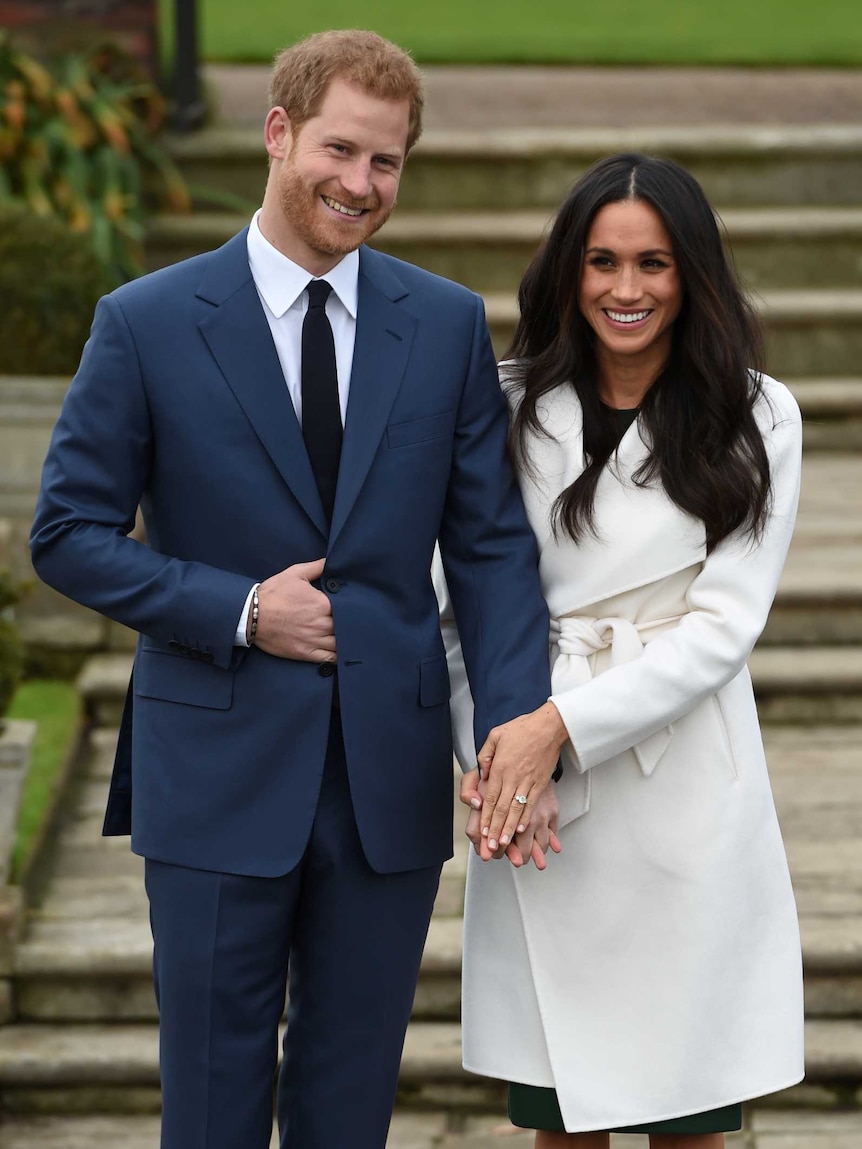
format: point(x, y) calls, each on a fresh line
point(285, 757)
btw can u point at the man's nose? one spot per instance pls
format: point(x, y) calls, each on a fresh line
point(357, 179)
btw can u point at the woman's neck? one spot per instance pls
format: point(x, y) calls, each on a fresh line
point(623, 382)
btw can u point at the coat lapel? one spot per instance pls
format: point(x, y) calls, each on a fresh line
point(240, 340)
point(384, 335)
point(642, 535)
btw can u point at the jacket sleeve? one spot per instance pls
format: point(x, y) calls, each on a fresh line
point(490, 557)
point(728, 601)
point(95, 475)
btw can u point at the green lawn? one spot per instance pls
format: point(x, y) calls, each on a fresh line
point(620, 32)
point(55, 707)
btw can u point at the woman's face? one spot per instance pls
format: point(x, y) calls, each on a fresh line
point(631, 291)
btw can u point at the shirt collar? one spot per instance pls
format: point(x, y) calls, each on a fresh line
point(281, 282)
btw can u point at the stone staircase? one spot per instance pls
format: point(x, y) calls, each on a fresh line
point(473, 206)
point(79, 1067)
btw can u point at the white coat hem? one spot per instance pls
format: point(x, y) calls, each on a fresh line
point(625, 1122)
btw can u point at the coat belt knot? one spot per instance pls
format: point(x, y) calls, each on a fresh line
point(577, 638)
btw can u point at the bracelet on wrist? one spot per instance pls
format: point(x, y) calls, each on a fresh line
point(255, 614)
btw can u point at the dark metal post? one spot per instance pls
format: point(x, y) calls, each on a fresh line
point(189, 108)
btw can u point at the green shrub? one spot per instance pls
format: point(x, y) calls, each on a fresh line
point(50, 282)
point(11, 647)
point(77, 141)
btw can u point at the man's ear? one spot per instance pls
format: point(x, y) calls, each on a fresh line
point(277, 133)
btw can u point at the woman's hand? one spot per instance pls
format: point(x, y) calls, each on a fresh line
point(541, 833)
point(472, 795)
point(532, 844)
point(518, 760)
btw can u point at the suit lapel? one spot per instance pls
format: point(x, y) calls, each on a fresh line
point(239, 338)
point(384, 335)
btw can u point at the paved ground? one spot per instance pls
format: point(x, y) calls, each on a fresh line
point(532, 97)
point(427, 1131)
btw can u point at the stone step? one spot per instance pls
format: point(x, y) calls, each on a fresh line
point(408, 1131)
point(89, 969)
point(489, 251)
point(800, 684)
point(47, 1069)
point(820, 598)
point(832, 412)
point(100, 969)
point(520, 169)
point(87, 954)
point(808, 332)
point(780, 1129)
point(762, 1129)
point(808, 685)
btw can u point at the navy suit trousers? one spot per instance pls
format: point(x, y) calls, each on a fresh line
point(353, 941)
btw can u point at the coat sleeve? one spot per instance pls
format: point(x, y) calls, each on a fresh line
point(728, 601)
point(490, 557)
point(461, 700)
point(95, 475)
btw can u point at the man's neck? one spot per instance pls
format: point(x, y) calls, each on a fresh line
point(273, 229)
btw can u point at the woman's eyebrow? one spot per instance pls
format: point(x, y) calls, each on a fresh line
point(641, 254)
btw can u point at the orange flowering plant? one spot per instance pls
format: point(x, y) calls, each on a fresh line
point(78, 140)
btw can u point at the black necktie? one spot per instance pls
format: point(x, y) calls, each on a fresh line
point(321, 411)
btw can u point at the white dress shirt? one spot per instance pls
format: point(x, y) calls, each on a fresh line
point(281, 285)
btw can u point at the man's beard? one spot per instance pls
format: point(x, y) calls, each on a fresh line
point(301, 206)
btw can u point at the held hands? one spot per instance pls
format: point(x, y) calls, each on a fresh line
point(295, 618)
point(530, 845)
point(518, 758)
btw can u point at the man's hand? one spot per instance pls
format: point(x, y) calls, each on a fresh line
point(532, 844)
point(295, 619)
point(518, 759)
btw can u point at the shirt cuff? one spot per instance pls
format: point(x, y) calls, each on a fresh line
point(242, 626)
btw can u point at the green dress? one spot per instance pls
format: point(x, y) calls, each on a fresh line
point(533, 1107)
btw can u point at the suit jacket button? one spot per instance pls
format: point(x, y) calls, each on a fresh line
point(173, 645)
point(183, 648)
point(326, 669)
point(206, 656)
point(333, 585)
point(194, 652)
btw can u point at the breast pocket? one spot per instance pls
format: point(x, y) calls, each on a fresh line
point(172, 678)
point(420, 430)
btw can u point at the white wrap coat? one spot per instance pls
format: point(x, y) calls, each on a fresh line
point(654, 969)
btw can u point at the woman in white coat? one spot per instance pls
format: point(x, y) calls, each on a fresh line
point(649, 979)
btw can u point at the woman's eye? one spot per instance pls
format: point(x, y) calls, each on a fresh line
point(600, 261)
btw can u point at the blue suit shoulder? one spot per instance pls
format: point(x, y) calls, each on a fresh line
point(417, 280)
point(166, 283)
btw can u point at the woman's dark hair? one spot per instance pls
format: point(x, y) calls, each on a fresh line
point(705, 446)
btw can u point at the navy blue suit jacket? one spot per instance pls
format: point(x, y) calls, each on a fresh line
point(180, 405)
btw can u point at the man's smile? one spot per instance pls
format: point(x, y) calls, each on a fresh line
point(342, 208)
